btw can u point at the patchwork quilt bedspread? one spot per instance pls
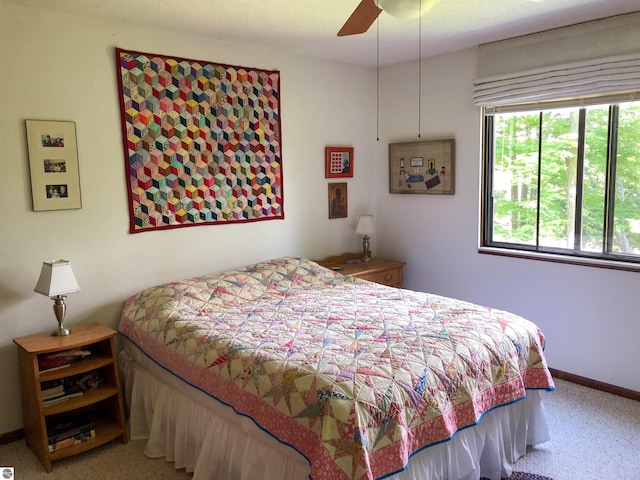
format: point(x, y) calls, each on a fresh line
point(354, 375)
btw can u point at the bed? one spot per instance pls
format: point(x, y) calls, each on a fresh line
point(289, 370)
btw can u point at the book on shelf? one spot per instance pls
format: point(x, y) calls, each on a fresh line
point(73, 440)
point(52, 388)
point(46, 385)
point(60, 398)
point(70, 387)
point(47, 392)
point(53, 394)
point(68, 427)
point(57, 360)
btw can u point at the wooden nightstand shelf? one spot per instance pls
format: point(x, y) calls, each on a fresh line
point(378, 270)
point(102, 405)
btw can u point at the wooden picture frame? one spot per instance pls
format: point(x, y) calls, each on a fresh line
point(338, 200)
point(422, 167)
point(53, 165)
point(338, 162)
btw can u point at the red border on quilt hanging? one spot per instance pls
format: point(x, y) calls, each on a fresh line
point(201, 140)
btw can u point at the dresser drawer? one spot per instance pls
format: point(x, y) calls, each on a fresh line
point(378, 270)
point(391, 277)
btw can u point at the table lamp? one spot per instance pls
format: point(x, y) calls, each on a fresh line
point(56, 281)
point(365, 228)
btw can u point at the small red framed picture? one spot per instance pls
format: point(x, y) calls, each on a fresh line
point(338, 162)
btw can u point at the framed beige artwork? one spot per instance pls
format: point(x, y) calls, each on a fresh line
point(53, 164)
point(422, 167)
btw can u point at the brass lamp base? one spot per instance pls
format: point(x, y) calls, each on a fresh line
point(60, 332)
point(365, 248)
point(59, 308)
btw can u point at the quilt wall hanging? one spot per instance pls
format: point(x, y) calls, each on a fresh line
point(202, 141)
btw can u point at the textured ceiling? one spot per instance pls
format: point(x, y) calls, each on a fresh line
point(309, 27)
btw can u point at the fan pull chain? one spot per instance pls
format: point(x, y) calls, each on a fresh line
point(420, 72)
point(378, 80)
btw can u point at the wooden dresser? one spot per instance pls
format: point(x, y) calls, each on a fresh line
point(378, 270)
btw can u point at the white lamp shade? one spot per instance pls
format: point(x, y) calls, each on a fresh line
point(56, 278)
point(365, 225)
point(406, 8)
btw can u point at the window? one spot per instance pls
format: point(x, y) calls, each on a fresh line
point(563, 180)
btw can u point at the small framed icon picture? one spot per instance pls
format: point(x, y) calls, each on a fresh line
point(338, 200)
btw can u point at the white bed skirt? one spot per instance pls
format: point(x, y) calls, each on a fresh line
point(204, 436)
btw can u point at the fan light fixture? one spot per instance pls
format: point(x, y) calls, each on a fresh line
point(56, 281)
point(406, 8)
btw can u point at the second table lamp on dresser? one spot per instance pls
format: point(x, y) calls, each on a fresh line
point(366, 228)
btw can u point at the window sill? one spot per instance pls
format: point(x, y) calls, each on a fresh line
point(558, 258)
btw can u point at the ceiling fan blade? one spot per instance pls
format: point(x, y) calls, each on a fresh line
point(361, 19)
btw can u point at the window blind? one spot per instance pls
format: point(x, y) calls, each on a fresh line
point(590, 59)
point(601, 76)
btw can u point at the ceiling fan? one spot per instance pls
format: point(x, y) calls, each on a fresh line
point(368, 10)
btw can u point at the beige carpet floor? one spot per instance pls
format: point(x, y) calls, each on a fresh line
point(595, 436)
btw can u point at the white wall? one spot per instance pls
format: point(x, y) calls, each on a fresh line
point(62, 67)
point(589, 315)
